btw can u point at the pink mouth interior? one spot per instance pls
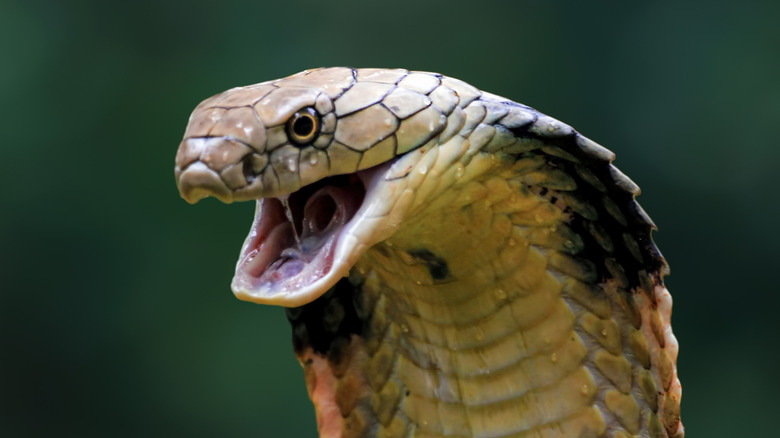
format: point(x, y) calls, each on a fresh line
point(273, 257)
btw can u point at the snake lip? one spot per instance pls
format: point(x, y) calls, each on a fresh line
point(293, 240)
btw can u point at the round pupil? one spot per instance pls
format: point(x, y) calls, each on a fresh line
point(303, 126)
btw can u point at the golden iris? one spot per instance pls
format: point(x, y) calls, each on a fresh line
point(303, 126)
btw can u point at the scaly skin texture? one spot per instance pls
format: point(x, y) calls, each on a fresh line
point(517, 292)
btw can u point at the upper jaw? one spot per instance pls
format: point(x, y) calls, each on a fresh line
point(229, 169)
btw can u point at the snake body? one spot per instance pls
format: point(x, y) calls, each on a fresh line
point(453, 263)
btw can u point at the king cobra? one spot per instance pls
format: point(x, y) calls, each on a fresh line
point(452, 263)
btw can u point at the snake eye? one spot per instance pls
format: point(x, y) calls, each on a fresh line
point(303, 126)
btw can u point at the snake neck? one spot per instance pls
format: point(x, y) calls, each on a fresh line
point(476, 319)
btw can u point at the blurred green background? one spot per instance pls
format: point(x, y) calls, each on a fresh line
point(116, 317)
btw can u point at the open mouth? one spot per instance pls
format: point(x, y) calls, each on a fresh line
point(302, 243)
point(292, 240)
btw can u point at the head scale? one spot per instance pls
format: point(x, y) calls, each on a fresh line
point(271, 139)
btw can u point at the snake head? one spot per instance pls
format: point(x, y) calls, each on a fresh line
point(317, 151)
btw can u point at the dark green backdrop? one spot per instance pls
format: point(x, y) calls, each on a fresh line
point(116, 317)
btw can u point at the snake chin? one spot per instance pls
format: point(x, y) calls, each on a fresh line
point(291, 255)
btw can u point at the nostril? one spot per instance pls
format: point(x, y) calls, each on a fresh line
point(249, 170)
